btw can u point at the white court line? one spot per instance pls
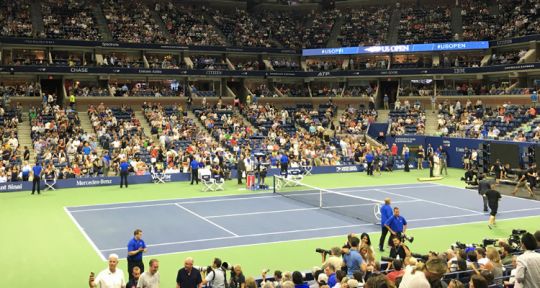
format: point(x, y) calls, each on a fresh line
point(173, 201)
point(201, 217)
point(250, 235)
point(316, 229)
point(85, 235)
point(432, 202)
point(504, 195)
point(300, 209)
point(121, 207)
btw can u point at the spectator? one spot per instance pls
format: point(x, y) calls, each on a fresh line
point(352, 258)
point(528, 263)
point(188, 277)
point(150, 278)
point(111, 277)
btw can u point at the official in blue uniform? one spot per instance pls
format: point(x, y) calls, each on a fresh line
point(397, 225)
point(36, 170)
point(386, 213)
point(124, 171)
point(136, 247)
point(194, 166)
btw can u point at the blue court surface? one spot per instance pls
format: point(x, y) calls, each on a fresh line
point(180, 225)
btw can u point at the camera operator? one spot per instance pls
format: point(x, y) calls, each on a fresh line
point(399, 250)
point(216, 276)
point(334, 259)
point(506, 253)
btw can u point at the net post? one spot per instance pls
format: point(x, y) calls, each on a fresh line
point(274, 183)
point(320, 198)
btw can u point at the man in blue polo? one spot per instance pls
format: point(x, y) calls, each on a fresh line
point(386, 213)
point(124, 171)
point(36, 171)
point(136, 247)
point(369, 160)
point(284, 164)
point(397, 225)
point(194, 166)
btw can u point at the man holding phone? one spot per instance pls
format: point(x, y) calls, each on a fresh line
point(110, 277)
point(136, 248)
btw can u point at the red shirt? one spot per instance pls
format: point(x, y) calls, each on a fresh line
point(394, 150)
point(392, 276)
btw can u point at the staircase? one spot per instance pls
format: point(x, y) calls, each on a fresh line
point(431, 122)
point(336, 30)
point(101, 22)
point(246, 122)
point(457, 21)
point(211, 21)
point(37, 17)
point(382, 116)
point(86, 125)
point(139, 115)
point(159, 22)
point(23, 135)
point(200, 126)
point(393, 28)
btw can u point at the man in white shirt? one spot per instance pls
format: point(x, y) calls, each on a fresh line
point(111, 277)
point(528, 264)
point(215, 278)
point(150, 278)
point(432, 272)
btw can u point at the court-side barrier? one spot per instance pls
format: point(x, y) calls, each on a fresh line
point(174, 177)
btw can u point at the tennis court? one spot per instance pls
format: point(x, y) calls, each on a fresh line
point(180, 225)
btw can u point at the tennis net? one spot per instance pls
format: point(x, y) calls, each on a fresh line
point(361, 208)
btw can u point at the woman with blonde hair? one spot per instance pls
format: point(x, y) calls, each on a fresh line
point(495, 266)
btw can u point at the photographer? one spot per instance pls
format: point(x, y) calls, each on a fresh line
point(216, 276)
point(399, 250)
point(334, 259)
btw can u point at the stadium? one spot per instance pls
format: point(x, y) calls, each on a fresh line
point(297, 141)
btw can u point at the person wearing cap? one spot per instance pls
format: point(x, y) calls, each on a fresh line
point(426, 277)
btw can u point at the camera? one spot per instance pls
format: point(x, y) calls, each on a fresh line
point(486, 242)
point(321, 250)
point(404, 237)
point(458, 245)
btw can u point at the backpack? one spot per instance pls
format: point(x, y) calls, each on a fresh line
point(224, 278)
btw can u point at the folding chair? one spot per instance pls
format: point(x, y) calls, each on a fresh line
point(218, 183)
point(158, 177)
point(307, 169)
point(49, 182)
point(209, 184)
point(296, 175)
